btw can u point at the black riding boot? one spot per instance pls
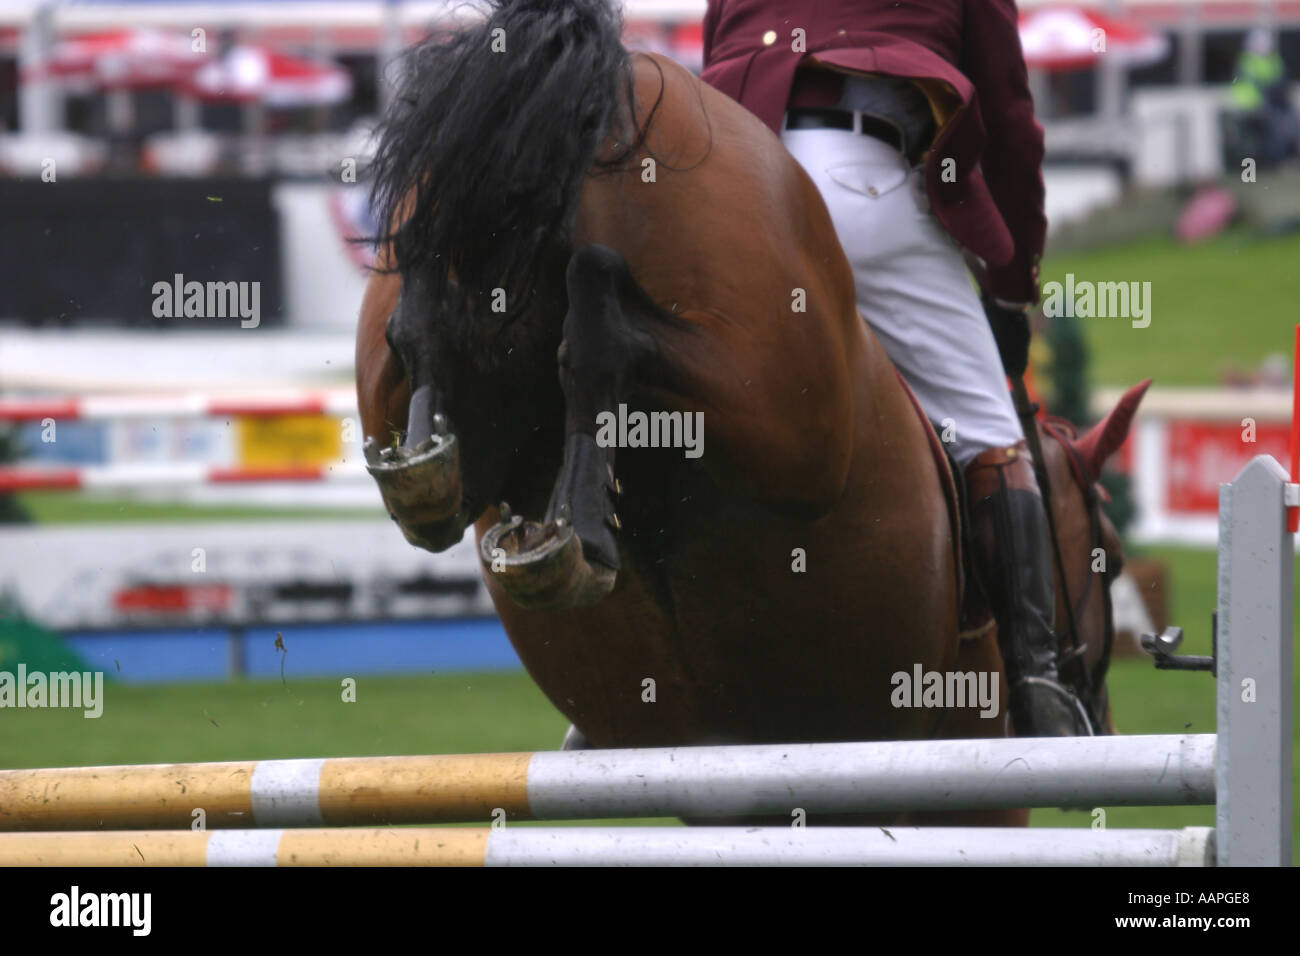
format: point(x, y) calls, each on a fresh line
point(1014, 552)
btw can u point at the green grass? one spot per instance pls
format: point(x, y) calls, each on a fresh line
point(61, 507)
point(1229, 300)
point(242, 720)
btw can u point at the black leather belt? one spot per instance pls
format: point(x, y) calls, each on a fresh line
point(832, 118)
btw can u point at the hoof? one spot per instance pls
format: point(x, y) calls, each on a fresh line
point(542, 567)
point(422, 490)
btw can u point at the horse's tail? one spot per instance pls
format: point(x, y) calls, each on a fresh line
point(482, 156)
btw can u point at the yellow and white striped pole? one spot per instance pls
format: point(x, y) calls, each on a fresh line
point(398, 846)
point(596, 784)
point(320, 792)
point(614, 846)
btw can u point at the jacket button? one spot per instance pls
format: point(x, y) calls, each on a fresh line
point(769, 38)
point(873, 191)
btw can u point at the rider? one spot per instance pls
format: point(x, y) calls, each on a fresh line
point(916, 123)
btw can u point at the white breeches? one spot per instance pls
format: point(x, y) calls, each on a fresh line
point(913, 287)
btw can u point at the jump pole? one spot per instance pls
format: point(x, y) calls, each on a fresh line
point(100, 408)
point(16, 478)
point(615, 846)
point(558, 785)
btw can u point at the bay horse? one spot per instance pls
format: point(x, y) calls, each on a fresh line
point(576, 232)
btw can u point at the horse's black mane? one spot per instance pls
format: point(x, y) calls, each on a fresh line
point(469, 167)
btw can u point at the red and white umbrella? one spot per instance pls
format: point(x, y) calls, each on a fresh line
point(1069, 38)
point(688, 45)
point(122, 60)
point(261, 74)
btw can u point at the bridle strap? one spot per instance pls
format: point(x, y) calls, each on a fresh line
point(1093, 504)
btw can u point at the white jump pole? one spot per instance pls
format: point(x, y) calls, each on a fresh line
point(613, 846)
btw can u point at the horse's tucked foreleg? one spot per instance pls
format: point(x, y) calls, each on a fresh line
point(420, 477)
point(571, 558)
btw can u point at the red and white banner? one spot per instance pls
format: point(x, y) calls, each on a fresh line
point(1185, 443)
point(1203, 454)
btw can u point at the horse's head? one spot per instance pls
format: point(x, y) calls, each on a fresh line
point(1090, 545)
point(476, 185)
point(479, 396)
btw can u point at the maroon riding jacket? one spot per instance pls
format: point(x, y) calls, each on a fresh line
point(964, 54)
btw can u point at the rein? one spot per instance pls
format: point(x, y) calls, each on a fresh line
point(1026, 410)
